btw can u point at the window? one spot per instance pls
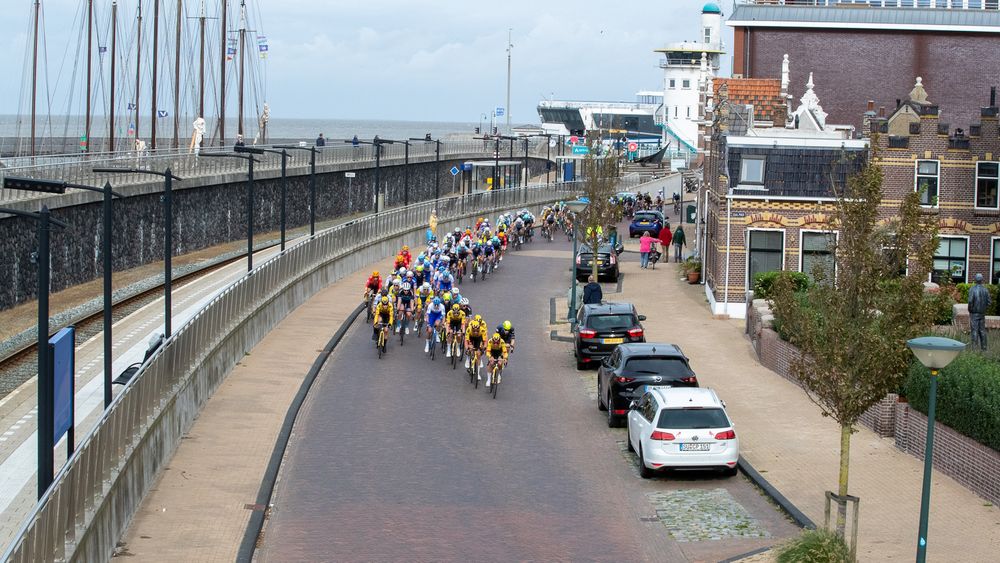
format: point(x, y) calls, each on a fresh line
point(708, 35)
point(671, 367)
point(766, 252)
point(685, 84)
point(950, 260)
point(995, 272)
point(689, 111)
point(610, 322)
point(690, 419)
point(673, 83)
point(927, 182)
point(987, 176)
point(817, 254)
point(675, 111)
point(752, 170)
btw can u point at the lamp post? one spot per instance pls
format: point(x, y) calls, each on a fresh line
point(576, 207)
point(377, 144)
point(934, 353)
point(168, 232)
point(284, 188)
point(312, 186)
point(406, 166)
point(46, 422)
point(437, 162)
point(247, 154)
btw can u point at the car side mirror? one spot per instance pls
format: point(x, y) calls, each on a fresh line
point(632, 405)
point(642, 317)
point(619, 249)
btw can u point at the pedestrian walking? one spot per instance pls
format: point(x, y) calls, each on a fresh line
point(665, 237)
point(321, 141)
point(239, 141)
point(979, 302)
point(679, 243)
point(592, 293)
point(646, 245)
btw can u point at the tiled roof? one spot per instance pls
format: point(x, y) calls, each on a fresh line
point(763, 93)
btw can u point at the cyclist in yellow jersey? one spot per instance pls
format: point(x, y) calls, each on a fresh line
point(383, 314)
point(496, 349)
point(455, 322)
point(475, 337)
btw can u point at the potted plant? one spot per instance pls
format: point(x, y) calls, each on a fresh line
point(692, 267)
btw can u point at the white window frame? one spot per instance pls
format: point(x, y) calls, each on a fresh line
point(916, 167)
point(784, 245)
point(686, 84)
point(707, 34)
point(672, 83)
point(968, 259)
point(993, 256)
point(763, 170)
point(976, 186)
point(836, 239)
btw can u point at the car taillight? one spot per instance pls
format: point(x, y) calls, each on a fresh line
point(691, 379)
point(661, 435)
point(726, 435)
point(587, 333)
point(623, 379)
point(635, 332)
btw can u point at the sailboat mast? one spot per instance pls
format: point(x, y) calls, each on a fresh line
point(222, 78)
point(201, 57)
point(156, 52)
point(138, 68)
point(34, 77)
point(114, 59)
point(90, 58)
point(177, 76)
point(242, 56)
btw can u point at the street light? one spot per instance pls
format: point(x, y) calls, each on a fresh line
point(284, 186)
point(312, 188)
point(46, 393)
point(406, 167)
point(247, 154)
point(168, 232)
point(437, 162)
point(377, 143)
point(934, 353)
point(577, 207)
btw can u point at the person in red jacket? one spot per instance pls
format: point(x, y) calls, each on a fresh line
point(665, 238)
point(405, 253)
point(400, 262)
point(374, 282)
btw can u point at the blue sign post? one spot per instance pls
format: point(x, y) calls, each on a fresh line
point(62, 350)
point(454, 171)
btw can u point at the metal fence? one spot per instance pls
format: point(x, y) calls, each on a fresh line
point(945, 4)
point(96, 494)
point(78, 168)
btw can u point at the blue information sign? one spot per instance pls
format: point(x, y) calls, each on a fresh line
point(63, 346)
point(467, 166)
point(498, 111)
point(581, 149)
point(454, 171)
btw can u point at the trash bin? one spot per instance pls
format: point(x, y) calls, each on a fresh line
point(689, 214)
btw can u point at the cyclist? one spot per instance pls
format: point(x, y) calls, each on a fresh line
point(405, 253)
point(506, 331)
point(399, 262)
point(446, 281)
point(497, 250)
point(456, 322)
point(496, 349)
point(475, 337)
point(418, 274)
point(466, 307)
point(383, 316)
point(435, 313)
point(404, 304)
point(425, 293)
point(373, 284)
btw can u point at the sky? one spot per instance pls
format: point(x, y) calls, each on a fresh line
point(438, 60)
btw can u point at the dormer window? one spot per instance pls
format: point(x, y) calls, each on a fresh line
point(752, 170)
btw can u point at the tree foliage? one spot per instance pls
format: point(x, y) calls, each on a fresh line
point(600, 183)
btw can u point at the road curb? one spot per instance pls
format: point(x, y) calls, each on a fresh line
point(800, 519)
point(256, 523)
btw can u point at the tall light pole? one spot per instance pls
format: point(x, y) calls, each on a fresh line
point(247, 154)
point(935, 353)
point(312, 182)
point(577, 207)
point(509, 47)
point(284, 188)
point(168, 232)
point(437, 162)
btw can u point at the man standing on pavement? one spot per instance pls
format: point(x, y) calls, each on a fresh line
point(679, 243)
point(592, 293)
point(321, 141)
point(979, 302)
point(665, 237)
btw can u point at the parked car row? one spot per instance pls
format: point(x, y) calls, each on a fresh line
point(650, 387)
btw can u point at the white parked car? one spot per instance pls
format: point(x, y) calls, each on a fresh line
point(682, 428)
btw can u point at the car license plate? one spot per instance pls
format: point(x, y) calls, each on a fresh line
point(691, 447)
point(600, 262)
point(613, 340)
point(643, 222)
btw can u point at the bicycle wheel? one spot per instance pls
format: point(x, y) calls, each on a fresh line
point(402, 330)
point(454, 354)
point(475, 369)
point(380, 344)
point(495, 383)
point(432, 347)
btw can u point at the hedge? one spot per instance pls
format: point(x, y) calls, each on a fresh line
point(963, 296)
point(763, 282)
point(968, 397)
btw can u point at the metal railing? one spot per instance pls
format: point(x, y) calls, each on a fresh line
point(930, 4)
point(99, 489)
point(78, 168)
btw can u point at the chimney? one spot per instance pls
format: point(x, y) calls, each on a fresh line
point(898, 103)
point(881, 111)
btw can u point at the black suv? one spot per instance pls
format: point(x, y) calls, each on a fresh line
point(602, 327)
point(631, 367)
point(607, 262)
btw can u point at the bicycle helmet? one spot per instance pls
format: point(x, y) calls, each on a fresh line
point(507, 325)
point(465, 301)
point(496, 336)
point(385, 300)
point(447, 296)
point(456, 307)
point(426, 286)
point(478, 318)
point(406, 248)
point(437, 300)
point(407, 287)
point(420, 268)
point(409, 274)
point(397, 282)
point(374, 273)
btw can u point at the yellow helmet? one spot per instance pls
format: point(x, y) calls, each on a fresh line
point(478, 318)
point(496, 336)
point(374, 273)
point(385, 300)
point(405, 248)
point(456, 307)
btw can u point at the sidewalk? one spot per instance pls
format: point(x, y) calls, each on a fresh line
point(784, 436)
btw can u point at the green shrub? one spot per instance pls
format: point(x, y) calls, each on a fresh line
point(941, 306)
point(764, 281)
point(814, 546)
point(968, 397)
point(802, 297)
point(963, 296)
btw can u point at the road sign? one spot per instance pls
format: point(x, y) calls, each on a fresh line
point(454, 171)
point(499, 111)
point(62, 347)
point(350, 174)
point(581, 149)
point(573, 139)
point(467, 166)
point(633, 146)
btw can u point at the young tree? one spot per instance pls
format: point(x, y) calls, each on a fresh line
point(851, 327)
point(600, 182)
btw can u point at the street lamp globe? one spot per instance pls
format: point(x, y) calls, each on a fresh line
point(577, 206)
point(935, 352)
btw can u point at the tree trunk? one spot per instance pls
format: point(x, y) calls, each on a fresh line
point(845, 457)
point(595, 269)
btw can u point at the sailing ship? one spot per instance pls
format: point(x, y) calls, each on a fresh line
point(157, 74)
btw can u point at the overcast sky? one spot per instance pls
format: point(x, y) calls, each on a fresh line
point(431, 60)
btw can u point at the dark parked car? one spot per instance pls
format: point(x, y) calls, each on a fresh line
point(600, 328)
point(623, 376)
point(647, 220)
point(607, 262)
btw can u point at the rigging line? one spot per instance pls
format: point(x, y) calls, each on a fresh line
point(71, 88)
point(25, 84)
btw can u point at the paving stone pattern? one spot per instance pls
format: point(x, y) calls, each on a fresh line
point(704, 514)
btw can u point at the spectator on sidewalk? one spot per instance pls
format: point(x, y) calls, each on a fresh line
point(979, 303)
point(679, 243)
point(321, 141)
point(646, 245)
point(239, 141)
point(665, 237)
point(432, 225)
point(592, 293)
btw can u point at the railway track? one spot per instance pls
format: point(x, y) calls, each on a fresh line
point(21, 364)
